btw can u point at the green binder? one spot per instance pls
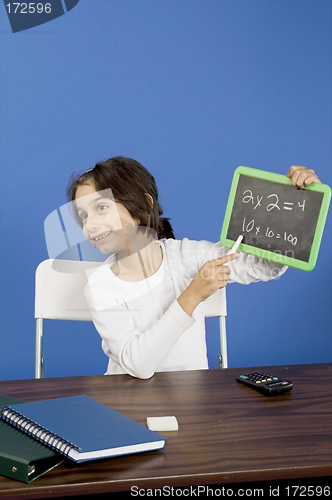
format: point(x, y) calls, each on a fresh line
point(21, 457)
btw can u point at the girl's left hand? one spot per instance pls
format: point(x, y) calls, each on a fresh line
point(302, 177)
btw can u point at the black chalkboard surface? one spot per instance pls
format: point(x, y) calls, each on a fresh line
point(277, 221)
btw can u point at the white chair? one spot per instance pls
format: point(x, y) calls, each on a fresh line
point(59, 294)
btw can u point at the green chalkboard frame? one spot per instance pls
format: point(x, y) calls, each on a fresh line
point(267, 254)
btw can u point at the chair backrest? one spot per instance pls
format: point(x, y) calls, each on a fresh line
point(59, 294)
point(215, 305)
point(59, 289)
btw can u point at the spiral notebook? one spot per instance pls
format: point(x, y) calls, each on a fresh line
point(81, 428)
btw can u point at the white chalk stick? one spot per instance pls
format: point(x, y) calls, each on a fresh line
point(236, 244)
point(162, 423)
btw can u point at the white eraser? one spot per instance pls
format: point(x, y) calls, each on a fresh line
point(162, 423)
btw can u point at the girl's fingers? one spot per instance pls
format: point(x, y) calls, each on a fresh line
point(306, 178)
point(302, 177)
point(220, 261)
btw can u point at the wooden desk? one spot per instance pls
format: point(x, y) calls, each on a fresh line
point(227, 433)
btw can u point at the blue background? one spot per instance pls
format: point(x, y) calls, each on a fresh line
point(191, 89)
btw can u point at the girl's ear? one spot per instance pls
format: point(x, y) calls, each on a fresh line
point(149, 197)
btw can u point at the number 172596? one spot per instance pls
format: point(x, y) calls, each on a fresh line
point(308, 491)
point(28, 8)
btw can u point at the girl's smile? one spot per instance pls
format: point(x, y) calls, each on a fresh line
point(101, 237)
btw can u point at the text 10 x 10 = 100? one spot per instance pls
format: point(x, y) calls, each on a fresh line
point(250, 226)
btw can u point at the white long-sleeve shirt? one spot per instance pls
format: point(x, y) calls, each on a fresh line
point(143, 327)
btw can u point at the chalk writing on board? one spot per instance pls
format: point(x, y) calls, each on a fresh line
point(247, 227)
point(274, 217)
point(287, 205)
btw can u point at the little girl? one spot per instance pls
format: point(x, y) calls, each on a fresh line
point(147, 298)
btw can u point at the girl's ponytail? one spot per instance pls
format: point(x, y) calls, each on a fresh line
point(165, 229)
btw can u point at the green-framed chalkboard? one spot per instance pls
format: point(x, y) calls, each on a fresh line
point(278, 222)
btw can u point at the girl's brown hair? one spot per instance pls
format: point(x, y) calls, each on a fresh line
point(132, 185)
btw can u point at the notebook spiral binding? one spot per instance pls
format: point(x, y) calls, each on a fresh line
point(38, 432)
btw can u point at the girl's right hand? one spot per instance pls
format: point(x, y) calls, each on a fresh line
point(213, 275)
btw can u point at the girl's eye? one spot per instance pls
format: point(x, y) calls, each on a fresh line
point(102, 207)
point(83, 216)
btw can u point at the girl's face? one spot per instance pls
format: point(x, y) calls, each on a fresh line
point(105, 222)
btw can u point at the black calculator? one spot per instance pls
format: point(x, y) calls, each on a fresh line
point(268, 385)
